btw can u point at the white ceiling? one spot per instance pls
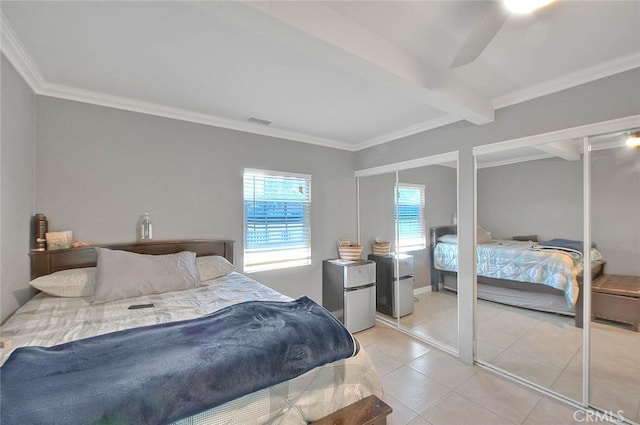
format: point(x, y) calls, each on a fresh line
point(342, 74)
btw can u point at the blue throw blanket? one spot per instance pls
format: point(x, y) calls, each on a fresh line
point(161, 373)
point(564, 245)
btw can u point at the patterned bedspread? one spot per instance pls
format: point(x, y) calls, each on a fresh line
point(516, 260)
point(47, 321)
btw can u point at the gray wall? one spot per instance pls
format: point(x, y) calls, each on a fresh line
point(544, 197)
point(376, 210)
point(17, 182)
point(440, 203)
point(537, 197)
point(615, 208)
point(99, 168)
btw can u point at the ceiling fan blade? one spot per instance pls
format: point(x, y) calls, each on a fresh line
point(481, 35)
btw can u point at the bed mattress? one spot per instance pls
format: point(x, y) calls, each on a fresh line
point(47, 321)
point(516, 260)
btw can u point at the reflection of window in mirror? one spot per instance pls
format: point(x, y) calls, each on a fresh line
point(410, 217)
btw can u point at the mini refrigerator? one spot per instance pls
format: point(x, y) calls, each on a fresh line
point(387, 271)
point(349, 292)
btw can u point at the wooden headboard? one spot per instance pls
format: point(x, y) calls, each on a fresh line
point(434, 234)
point(47, 262)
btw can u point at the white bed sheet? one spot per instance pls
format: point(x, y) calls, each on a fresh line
point(515, 260)
point(47, 321)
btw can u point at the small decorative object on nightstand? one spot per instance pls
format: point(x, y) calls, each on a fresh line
point(39, 227)
point(144, 229)
point(59, 240)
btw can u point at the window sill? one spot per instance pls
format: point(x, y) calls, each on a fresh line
point(276, 266)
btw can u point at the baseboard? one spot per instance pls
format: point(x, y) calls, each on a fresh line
point(422, 290)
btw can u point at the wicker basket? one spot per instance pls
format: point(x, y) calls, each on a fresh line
point(381, 248)
point(350, 252)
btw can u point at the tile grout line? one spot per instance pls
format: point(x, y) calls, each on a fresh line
point(534, 408)
point(508, 381)
point(488, 409)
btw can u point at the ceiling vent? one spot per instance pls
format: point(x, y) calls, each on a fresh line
point(258, 121)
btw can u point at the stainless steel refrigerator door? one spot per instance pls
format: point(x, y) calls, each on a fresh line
point(360, 308)
point(359, 275)
point(405, 262)
point(406, 297)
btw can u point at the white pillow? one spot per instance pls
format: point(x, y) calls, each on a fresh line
point(482, 236)
point(123, 274)
point(70, 283)
point(213, 266)
point(452, 238)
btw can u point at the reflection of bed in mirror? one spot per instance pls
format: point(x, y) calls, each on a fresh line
point(517, 273)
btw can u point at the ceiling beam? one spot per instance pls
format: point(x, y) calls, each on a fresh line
point(566, 149)
point(321, 32)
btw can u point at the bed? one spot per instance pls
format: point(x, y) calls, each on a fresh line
point(48, 321)
point(516, 272)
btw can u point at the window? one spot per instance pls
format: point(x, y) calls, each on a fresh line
point(409, 214)
point(277, 230)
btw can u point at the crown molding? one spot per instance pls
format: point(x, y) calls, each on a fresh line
point(438, 159)
point(596, 72)
point(614, 144)
point(515, 160)
point(18, 56)
point(609, 126)
point(124, 103)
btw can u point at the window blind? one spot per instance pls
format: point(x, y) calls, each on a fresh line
point(277, 230)
point(409, 213)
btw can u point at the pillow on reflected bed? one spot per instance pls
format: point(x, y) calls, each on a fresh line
point(122, 274)
point(213, 266)
point(482, 236)
point(70, 283)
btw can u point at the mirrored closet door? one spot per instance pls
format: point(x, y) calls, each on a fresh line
point(397, 211)
point(614, 361)
point(558, 276)
point(527, 294)
point(376, 222)
point(426, 203)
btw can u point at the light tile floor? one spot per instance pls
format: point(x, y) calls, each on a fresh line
point(426, 386)
point(544, 348)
